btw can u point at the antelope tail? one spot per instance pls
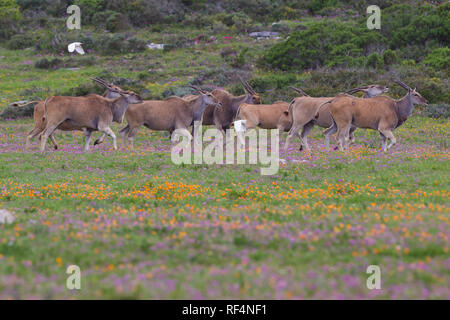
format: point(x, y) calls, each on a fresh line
point(25, 104)
point(320, 107)
point(45, 110)
point(289, 108)
point(237, 113)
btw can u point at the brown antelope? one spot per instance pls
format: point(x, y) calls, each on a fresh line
point(304, 115)
point(39, 124)
point(383, 114)
point(172, 114)
point(223, 117)
point(91, 112)
point(266, 116)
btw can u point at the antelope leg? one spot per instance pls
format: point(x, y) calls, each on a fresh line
point(110, 133)
point(44, 137)
point(55, 144)
point(87, 135)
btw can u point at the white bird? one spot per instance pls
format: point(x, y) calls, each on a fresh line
point(239, 125)
point(76, 46)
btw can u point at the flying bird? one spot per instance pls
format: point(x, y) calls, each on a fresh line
point(76, 46)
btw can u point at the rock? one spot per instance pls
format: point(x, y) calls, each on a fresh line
point(6, 217)
point(264, 34)
point(157, 46)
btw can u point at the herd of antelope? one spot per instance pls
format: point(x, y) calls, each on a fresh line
point(340, 115)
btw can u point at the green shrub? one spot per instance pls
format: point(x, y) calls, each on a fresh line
point(90, 7)
point(437, 111)
point(281, 27)
point(83, 90)
point(438, 59)
point(261, 84)
point(54, 41)
point(79, 61)
point(317, 5)
point(323, 43)
point(286, 12)
point(117, 22)
point(176, 42)
point(390, 57)
point(117, 43)
point(240, 21)
point(113, 44)
point(20, 41)
point(239, 62)
point(406, 25)
point(408, 62)
point(99, 18)
point(136, 45)
point(375, 61)
point(45, 63)
point(9, 16)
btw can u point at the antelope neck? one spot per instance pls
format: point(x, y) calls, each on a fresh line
point(199, 106)
point(237, 101)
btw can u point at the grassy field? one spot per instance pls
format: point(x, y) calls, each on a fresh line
point(139, 226)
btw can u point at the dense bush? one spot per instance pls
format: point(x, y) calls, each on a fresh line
point(279, 81)
point(118, 43)
point(45, 63)
point(390, 57)
point(83, 89)
point(439, 59)
point(405, 25)
point(323, 43)
point(110, 20)
point(20, 41)
point(316, 5)
point(176, 42)
point(9, 16)
point(281, 27)
point(408, 32)
point(375, 61)
point(437, 111)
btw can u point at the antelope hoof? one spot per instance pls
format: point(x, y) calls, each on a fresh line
point(301, 148)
